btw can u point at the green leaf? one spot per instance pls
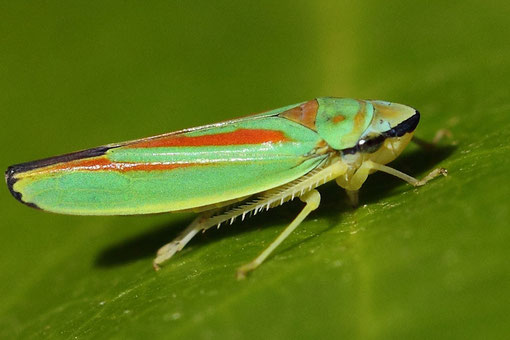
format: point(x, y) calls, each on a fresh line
point(429, 262)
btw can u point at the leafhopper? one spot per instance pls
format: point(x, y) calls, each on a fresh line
point(228, 170)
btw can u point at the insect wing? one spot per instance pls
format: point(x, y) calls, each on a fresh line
point(176, 171)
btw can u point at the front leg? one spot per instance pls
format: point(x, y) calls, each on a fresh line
point(355, 182)
point(409, 179)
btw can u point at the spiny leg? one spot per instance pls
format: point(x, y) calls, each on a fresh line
point(265, 201)
point(168, 250)
point(312, 200)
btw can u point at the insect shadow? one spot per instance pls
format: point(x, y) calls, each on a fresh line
point(334, 202)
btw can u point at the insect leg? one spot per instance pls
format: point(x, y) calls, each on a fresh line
point(312, 200)
point(353, 196)
point(355, 182)
point(411, 180)
point(440, 134)
point(168, 250)
point(301, 187)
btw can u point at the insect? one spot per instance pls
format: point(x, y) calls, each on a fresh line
point(227, 170)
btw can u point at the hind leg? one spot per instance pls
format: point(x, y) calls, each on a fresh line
point(169, 249)
point(312, 200)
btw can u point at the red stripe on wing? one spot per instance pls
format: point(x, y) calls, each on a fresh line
point(237, 137)
point(103, 164)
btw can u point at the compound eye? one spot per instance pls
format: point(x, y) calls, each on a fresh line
point(371, 144)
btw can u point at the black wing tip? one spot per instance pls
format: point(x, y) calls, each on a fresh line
point(13, 170)
point(10, 179)
point(41, 163)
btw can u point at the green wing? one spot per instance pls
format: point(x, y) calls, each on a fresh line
point(183, 170)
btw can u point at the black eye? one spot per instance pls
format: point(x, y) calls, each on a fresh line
point(371, 144)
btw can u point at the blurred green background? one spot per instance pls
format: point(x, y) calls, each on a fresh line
point(431, 262)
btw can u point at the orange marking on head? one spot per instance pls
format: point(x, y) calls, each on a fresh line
point(359, 118)
point(237, 137)
point(385, 111)
point(303, 114)
point(338, 119)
